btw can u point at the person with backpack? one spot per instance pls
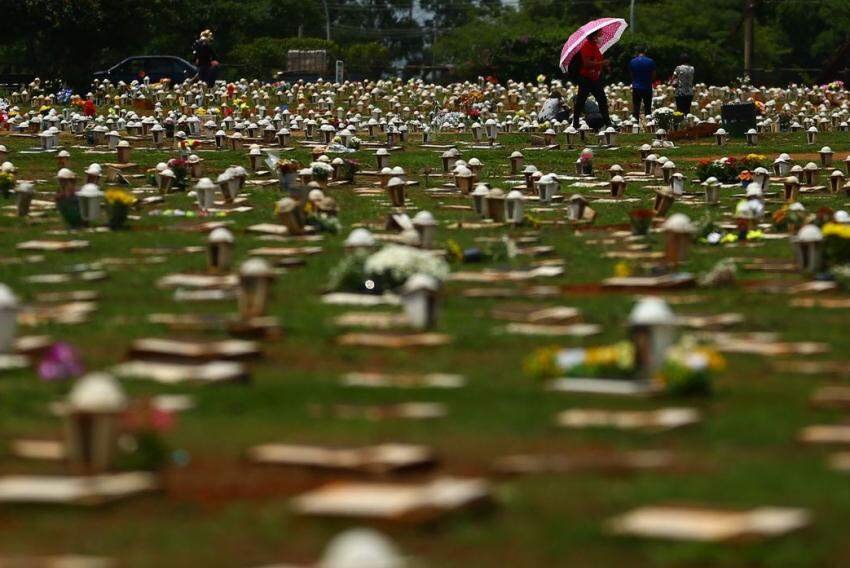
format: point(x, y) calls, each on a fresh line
point(587, 74)
point(642, 69)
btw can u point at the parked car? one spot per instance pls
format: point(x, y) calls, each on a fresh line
point(156, 67)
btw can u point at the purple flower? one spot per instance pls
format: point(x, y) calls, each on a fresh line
point(62, 361)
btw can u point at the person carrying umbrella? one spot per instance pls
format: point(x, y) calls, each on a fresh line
point(590, 78)
point(581, 58)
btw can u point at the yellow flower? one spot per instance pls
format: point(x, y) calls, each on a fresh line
point(623, 269)
point(119, 196)
point(542, 363)
point(836, 230)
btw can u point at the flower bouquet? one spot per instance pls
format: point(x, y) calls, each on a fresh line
point(836, 239)
point(287, 171)
point(386, 269)
point(7, 182)
point(348, 169)
point(641, 220)
point(118, 203)
point(610, 361)
point(321, 171)
point(180, 167)
point(729, 168)
point(144, 423)
point(322, 221)
point(687, 368)
point(789, 219)
point(68, 205)
point(667, 118)
point(394, 264)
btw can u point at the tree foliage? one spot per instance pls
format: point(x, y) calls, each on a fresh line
point(794, 39)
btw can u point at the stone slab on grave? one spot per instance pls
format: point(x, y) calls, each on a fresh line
point(666, 281)
point(210, 372)
point(157, 348)
point(73, 490)
point(381, 412)
point(411, 503)
point(381, 459)
point(659, 420)
point(51, 245)
point(552, 330)
point(373, 320)
point(607, 387)
point(403, 380)
point(584, 461)
point(394, 340)
point(708, 524)
point(59, 313)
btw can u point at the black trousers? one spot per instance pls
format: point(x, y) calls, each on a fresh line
point(208, 74)
point(641, 96)
point(683, 103)
point(586, 88)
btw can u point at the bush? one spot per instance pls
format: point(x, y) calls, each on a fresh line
point(366, 59)
point(265, 56)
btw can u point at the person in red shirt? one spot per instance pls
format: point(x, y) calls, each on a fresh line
point(590, 79)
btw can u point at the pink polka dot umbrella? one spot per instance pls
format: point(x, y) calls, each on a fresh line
point(611, 28)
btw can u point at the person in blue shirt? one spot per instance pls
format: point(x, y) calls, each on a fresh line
point(642, 69)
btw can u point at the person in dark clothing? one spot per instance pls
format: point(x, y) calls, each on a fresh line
point(590, 80)
point(592, 116)
point(642, 69)
point(205, 58)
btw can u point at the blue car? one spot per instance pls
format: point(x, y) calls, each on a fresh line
point(156, 67)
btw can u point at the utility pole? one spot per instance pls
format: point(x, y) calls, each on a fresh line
point(632, 15)
point(327, 21)
point(749, 13)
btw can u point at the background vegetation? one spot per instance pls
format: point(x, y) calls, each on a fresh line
point(794, 39)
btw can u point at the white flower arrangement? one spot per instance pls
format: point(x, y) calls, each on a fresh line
point(400, 262)
point(321, 170)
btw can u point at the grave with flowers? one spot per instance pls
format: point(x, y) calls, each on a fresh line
point(312, 304)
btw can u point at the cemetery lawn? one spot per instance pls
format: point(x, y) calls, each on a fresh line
point(219, 511)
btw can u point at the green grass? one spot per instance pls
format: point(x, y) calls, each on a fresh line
point(743, 454)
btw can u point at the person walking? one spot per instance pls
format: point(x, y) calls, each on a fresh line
point(642, 69)
point(590, 79)
point(205, 58)
point(683, 79)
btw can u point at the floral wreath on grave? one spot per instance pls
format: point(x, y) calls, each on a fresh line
point(729, 168)
point(836, 238)
point(7, 182)
point(385, 270)
point(688, 368)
